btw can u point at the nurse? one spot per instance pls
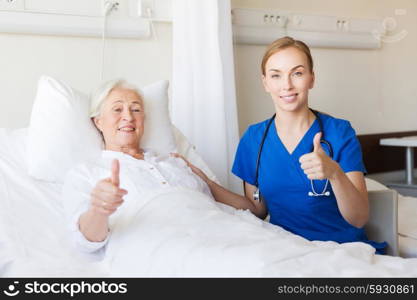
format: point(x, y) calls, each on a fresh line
point(310, 169)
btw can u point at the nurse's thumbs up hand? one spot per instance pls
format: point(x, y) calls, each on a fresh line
point(107, 196)
point(316, 142)
point(317, 164)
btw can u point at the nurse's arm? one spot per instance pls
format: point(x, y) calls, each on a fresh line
point(225, 196)
point(352, 196)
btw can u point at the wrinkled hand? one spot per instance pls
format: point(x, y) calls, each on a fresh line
point(317, 164)
point(193, 168)
point(107, 196)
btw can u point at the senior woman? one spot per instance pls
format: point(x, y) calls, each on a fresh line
point(97, 193)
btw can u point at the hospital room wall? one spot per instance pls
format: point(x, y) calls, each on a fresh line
point(77, 61)
point(375, 89)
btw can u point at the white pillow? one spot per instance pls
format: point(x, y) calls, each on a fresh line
point(158, 134)
point(61, 133)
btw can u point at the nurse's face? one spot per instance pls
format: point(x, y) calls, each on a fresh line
point(288, 79)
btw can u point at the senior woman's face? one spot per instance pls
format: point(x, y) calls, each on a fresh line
point(121, 120)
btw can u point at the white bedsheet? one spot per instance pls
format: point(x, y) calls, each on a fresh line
point(182, 233)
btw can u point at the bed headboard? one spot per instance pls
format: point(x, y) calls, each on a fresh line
point(379, 158)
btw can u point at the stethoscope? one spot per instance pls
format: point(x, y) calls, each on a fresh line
point(313, 192)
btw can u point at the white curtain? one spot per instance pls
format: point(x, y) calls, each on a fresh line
point(203, 87)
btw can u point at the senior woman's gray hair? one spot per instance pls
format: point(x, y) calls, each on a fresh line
point(98, 97)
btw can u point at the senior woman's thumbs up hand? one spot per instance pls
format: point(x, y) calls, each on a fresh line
point(107, 196)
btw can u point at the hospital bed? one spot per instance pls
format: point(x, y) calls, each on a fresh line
point(393, 159)
point(393, 219)
point(34, 238)
point(383, 220)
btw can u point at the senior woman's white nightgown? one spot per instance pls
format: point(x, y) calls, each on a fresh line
point(140, 178)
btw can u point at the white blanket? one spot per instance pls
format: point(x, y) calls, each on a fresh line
point(184, 233)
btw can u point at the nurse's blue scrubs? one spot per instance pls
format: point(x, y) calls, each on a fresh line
point(285, 187)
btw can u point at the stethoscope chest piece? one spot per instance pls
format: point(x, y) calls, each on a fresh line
point(313, 194)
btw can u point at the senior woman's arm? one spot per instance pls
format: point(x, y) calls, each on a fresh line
point(106, 197)
point(93, 226)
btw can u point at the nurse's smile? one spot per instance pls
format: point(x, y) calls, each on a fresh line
point(289, 98)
